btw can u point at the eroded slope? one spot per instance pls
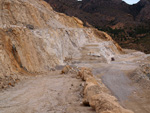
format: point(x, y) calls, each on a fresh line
point(34, 38)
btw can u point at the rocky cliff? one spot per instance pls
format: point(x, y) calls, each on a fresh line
point(34, 38)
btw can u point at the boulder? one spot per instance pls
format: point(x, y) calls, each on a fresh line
point(66, 69)
point(85, 73)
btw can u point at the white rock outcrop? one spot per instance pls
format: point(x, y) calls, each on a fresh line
point(34, 38)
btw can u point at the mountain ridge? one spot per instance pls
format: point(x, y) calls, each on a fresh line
point(130, 23)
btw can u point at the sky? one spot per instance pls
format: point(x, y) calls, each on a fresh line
point(131, 1)
point(127, 1)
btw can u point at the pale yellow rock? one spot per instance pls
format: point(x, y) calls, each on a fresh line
point(79, 22)
point(34, 38)
point(105, 103)
point(85, 73)
point(66, 69)
point(95, 97)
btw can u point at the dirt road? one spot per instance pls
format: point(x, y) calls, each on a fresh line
point(45, 94)
point(130, 95)
point(119, 84)
point(55, 93)
point(116, 77)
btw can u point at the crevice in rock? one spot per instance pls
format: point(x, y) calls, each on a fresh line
point(17, 58)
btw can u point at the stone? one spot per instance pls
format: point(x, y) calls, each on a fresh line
point(66, 69)
point(85, 73)
point(94, 96)
point(30, 26)
point(43, 38)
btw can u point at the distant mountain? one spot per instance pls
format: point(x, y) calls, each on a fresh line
point(104, 12)
point(127, 24)
point(144, 14)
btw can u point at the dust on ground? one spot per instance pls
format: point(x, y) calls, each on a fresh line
point(57, 93)
point(54, 93)
point(117, 77)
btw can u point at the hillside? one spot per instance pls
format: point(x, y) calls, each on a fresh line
point(33, 42)
point(52, 63)
point(36, 38)
point(127, 24)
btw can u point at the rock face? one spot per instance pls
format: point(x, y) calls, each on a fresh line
point(34, 38)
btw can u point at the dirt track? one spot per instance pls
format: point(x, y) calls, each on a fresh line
point(119, 84)
point(130, 95)
point(116, 76)
point(45, 94)
point(55, 93)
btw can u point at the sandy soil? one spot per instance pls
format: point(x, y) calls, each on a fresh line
point(56, 93)
point(130, 95)
point(116, 76)
point(45, 94)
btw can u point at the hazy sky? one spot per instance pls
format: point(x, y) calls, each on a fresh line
point(127, 1)
point(131, 1)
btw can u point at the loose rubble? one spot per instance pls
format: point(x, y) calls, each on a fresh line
point(142, 76)
point(8, 81)
point(94, 96)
